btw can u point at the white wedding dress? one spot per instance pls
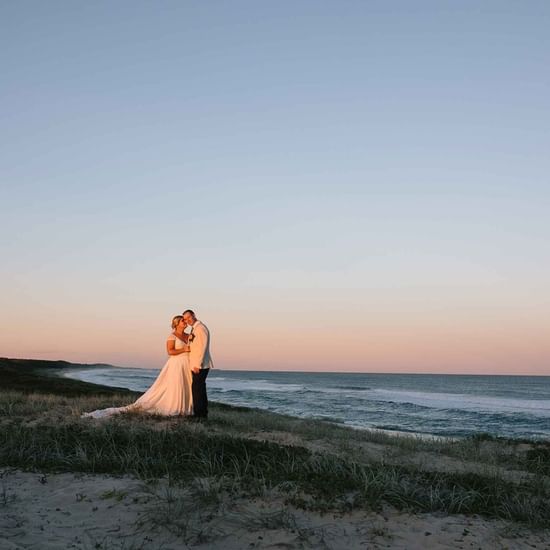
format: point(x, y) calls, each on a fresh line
point(170, 394)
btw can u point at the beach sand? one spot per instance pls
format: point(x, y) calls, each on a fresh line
point(52, 511)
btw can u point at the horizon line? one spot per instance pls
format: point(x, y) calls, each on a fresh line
point(91, 364)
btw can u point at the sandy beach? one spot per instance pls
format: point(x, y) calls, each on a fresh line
point(53, 511)
point(250, 479)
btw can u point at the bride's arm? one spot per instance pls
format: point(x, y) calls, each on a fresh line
point(171, 348)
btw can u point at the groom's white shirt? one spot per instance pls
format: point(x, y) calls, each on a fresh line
point(199, 355)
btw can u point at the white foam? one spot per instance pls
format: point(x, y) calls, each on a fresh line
point(224, 385)
point(540, 407)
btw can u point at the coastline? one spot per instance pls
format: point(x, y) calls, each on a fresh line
point(250, 478)
point(432, 407)
point(373, 430)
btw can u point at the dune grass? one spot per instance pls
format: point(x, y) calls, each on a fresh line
point(312, 464)
point(35, 375)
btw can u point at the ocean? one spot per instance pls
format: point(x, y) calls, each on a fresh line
point(436, 404)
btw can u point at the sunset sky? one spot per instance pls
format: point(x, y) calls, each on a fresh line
point(335, 186)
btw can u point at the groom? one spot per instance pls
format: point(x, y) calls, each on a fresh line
point(199, 361)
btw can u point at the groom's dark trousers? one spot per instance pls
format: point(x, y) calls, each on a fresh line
point(198, 389)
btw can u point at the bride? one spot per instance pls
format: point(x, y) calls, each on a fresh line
point(170, 394)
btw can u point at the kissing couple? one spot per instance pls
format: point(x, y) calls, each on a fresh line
point(180, 387)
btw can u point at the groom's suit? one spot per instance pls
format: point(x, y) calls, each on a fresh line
point(199, 357)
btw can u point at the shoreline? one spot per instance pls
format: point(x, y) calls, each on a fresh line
point(298, 410)
point(396, 433)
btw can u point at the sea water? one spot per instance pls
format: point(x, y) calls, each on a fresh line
point(443, 405)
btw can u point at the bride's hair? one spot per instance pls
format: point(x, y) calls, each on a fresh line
point(176, 320)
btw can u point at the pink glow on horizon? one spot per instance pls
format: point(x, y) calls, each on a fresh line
point(434, 346)
point(476, 329)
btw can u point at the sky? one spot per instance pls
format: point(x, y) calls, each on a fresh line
point(358, 186)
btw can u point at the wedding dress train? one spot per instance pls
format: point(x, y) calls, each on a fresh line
point(170, 394)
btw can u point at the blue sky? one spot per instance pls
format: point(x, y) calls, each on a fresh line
point(278, 166)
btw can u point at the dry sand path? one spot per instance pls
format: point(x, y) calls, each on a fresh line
point(83, 511)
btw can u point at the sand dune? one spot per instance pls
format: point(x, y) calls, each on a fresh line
point(52, 511)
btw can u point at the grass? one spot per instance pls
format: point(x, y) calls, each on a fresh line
point(246, 453)
point(34, 375)
point(114, 494)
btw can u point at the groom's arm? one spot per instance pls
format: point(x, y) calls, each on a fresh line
point(199, 348)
